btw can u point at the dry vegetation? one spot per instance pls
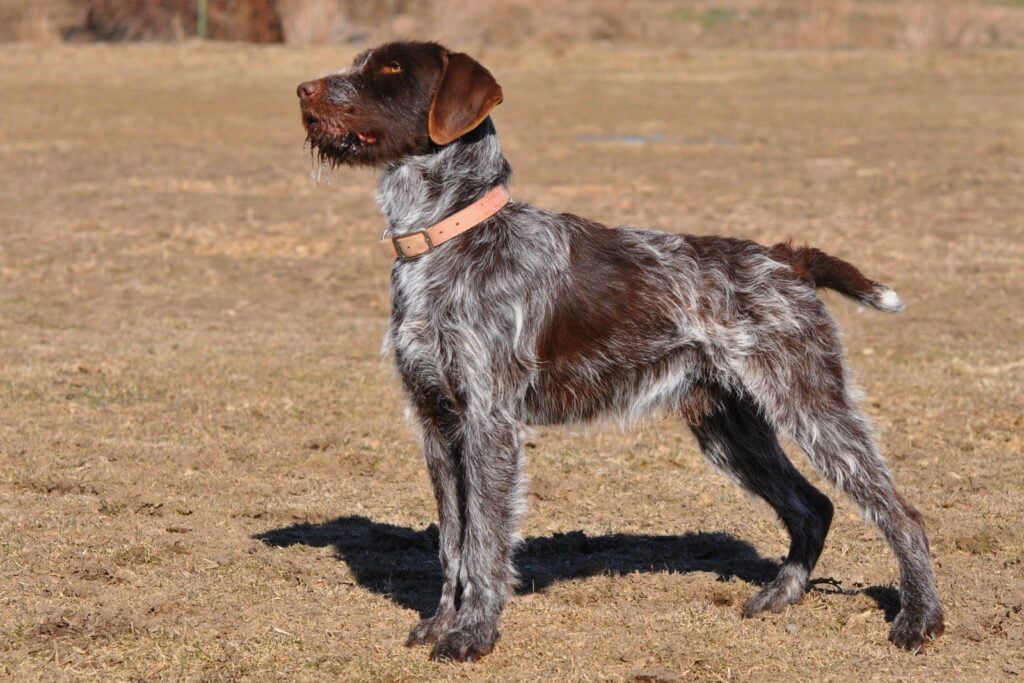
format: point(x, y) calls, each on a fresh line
point(204, 472)
point(536, 24)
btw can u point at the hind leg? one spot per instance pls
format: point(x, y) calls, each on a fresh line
point(740, 442)
point(841, 446)
point(808, 397)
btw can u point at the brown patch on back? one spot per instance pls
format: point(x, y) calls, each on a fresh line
point(600, 334)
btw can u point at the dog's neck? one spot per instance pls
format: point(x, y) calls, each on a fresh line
point(418, 191)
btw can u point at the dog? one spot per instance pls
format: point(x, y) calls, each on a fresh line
point(504, 315)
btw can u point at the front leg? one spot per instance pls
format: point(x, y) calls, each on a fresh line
point(491, 473)
point(443, 456)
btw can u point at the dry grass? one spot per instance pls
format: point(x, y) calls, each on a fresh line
point(785, 24)
point(203, 469)
point(540, 24)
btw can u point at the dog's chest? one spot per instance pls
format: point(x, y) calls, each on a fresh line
point(451, 323)
point(433, 312)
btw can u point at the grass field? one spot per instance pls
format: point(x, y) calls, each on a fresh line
point(204, 468)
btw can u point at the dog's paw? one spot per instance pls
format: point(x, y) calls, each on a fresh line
point(787, 589)
point(429, 630)
point(911, 630)
point(464, 645)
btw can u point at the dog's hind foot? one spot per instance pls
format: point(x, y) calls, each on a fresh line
point(912, 629)
point(786, 589)
point(431, 629)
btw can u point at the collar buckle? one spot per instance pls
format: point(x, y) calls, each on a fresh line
point(405, 248)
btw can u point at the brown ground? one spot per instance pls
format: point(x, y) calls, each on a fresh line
point(189, 335)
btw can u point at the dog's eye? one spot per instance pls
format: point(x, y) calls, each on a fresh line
point(391, 68)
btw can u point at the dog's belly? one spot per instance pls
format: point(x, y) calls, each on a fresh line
point(629, 389)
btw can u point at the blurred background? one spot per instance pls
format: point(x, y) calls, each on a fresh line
point(535, 23)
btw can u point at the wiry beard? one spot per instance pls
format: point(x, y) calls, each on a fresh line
point(332, 146)
point(334, 151)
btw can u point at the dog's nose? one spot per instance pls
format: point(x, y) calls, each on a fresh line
point(308, 90)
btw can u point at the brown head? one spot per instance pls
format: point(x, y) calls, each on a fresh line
point(396, 100)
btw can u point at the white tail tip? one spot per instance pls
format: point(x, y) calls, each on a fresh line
point(888, 300)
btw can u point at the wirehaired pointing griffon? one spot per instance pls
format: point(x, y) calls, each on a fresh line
point(506, 315)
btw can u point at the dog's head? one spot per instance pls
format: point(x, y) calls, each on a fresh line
point(396, 100)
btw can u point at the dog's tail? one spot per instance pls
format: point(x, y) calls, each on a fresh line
point(822, 270)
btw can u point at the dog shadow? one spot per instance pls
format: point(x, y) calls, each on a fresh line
point(401, 563)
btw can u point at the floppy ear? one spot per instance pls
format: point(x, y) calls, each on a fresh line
point(466, 95)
